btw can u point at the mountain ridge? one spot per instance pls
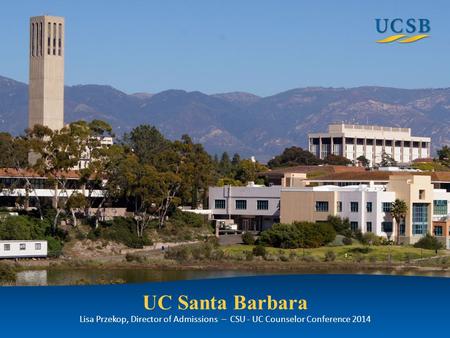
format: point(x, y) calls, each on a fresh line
point(244, 122)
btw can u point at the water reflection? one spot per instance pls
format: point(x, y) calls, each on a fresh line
point(100, 276)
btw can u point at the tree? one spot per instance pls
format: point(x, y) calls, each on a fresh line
point(444, 155)
point(399, 209)
point(387, 160)
point(429, 242)
point(55, 154)
point(147, 143)
point(225, 166)
point(337, 160)
point(294, 156)
point(363, 161)
point(13, 152)
point(247, 170)
point(76, 201)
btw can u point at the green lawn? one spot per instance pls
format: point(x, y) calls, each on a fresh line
point(343, 253)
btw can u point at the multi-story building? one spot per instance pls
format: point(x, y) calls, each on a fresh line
point(368, 206)
point(253, 208)
point(353, 141)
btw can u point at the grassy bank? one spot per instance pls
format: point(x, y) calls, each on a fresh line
point(347, 253)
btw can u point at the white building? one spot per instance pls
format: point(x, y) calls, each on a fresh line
point(353, 141)
point(23, 248)
point(253, 208)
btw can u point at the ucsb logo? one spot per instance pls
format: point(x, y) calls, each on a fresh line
point(403, 31)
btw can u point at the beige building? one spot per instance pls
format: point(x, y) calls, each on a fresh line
point(46, 85)
point(353, 141)
point(368, 206)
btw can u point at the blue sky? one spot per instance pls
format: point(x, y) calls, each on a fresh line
point(263, 47)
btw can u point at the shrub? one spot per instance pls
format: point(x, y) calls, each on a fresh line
point(347, 241)
point(179, 253)
point(130, 257)
point(249, 255)
point(7, 273)
point(341, 226)
point(429, 242)
point(360, 250)
point(330, 256)
point(369, 238)
point(189, 219)
point(248, 238)
point(298, 235)
point(122, 230)
point(259, 250)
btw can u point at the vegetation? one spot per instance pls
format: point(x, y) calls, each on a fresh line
point(347, 253)
point(248, 238)
point(32, 228)
point(429, 242)
point(399, 209)
point(298, 235)
point(387, 160)
point(7, 273)
point(294, 156)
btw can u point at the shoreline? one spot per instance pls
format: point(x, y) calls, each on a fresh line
point(298, 267)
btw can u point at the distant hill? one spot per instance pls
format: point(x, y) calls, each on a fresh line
point(243, 122)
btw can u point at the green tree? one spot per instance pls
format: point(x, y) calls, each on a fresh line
point(444, 155)
point(387, 160)
point(364, 161)
point(336, 160)
point(399, 209)
point(294, 156)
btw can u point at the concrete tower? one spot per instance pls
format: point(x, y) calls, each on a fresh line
point(46, 86)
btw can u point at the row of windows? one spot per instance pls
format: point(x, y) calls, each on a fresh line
point(385, 226)
point(22, 246)
point(37, 39)
point(369, 142)
point(354, 206)
point(242, 204)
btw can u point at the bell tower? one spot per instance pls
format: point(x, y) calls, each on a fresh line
point(46, 83)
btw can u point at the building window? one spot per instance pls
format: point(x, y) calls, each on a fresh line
point(354, 226)
point(59, 38)
point(54, 38)
point(37, 246)
point(241, 204)
point(386, 226)
point(322, 206)
point(22, 246)
point(369, 207)
point(440, 207)
point(421, 194)
point(219, 204)
point(339, 206)
point(262, 204)
point(438, 230)
point(419, 218)
point(386, 206)
point(354, 207)
point(369, 226)
point(49, 34)
point(6, 247)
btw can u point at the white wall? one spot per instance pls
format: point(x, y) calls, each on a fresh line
point(30, 249)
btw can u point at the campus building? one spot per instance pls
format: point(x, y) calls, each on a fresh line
point(368, 206)
point(46, 82)
point(353, 141)
point(253, 208)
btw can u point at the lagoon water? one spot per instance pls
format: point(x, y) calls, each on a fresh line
point(101, 276)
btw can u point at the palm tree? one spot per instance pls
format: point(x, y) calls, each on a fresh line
point(398, 212)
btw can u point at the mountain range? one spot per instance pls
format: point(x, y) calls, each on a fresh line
point(242, 122)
